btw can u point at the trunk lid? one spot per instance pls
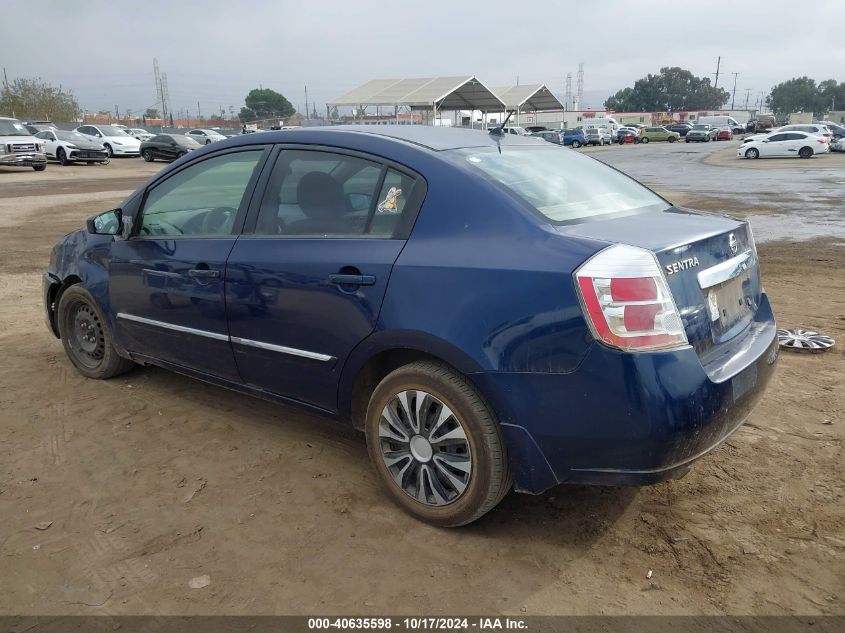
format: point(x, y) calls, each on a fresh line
point(709, 262)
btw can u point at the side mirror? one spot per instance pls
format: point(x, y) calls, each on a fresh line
point(108, 223)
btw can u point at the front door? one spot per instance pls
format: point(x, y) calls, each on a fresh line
point(306, 286)
point(166, 282)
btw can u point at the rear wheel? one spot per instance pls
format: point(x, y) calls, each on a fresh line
point(61, 155)
point(436, 445)
point(86, 336)
point(805, 152)
point(576, 144)
point(672, 139)
point(752, 153)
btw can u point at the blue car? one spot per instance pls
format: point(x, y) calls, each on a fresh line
point(491, 311)
point(575, 138)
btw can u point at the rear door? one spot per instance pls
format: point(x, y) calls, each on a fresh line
point(305, 283)
point(166, 282)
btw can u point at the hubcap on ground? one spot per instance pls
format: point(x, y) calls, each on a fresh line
point(425, 448)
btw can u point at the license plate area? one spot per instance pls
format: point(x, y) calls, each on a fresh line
point(730, 306)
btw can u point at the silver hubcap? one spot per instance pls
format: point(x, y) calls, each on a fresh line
point(425, 448)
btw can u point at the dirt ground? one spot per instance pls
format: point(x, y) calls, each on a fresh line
point(114, 495)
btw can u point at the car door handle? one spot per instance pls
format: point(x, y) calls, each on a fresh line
point(203, 273)
point(353, 280)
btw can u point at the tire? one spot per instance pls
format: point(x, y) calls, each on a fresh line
point(148, 155)
point(40, 167)
point(61, 156)
point(752, 153)
point(89, 162)
point(576, 144)
point(672, 139)
point(92, 354)
point(686, 140)
point(109, 150)
point(644, 140)
point(474, 475)
point(805, 152)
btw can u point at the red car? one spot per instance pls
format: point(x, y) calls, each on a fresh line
point(725, 134)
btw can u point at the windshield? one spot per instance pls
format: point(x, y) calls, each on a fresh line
point(185, 141)
point(74, 137)
point(12, 127)
point(111, 130)
point(563, 186)
point(701, 126)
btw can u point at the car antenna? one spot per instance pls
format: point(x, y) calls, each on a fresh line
point(499, 131)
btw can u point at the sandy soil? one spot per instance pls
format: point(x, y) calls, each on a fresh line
point(114, 495)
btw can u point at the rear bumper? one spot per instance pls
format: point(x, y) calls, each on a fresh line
point(32, 159)
point(631, 419)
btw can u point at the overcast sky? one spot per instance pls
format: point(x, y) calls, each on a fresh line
point(215, 51)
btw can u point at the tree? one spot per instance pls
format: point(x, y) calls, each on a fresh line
point(334, 114)
point(152, 113)
point(263, 103)
point(801, 94)
point(672, 89)
point(36, 99)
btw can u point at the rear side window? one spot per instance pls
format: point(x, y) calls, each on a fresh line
point(322, 193)
point(563, 186)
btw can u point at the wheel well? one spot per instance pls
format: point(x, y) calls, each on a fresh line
point(55, 295)
point(372, 373)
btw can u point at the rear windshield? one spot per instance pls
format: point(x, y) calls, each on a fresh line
point(562, 185)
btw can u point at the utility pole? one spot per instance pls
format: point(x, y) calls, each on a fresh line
point(718, 63)
point(306, 102)
point(747, 95)
point(733, 95)
point(199, 114)
point(5, 79)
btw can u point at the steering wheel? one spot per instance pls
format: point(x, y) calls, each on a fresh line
point(214, 222)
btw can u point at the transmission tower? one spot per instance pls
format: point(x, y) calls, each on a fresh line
point(159, 91)
point(580, 96)
point(165, 96)
point(567, 98)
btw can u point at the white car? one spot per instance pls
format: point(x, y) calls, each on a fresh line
point(204, 137)
point(71, 147)
point(115, 139)
point(809, 128)
point(838, 145)
point(141, 134)
point(800, 144)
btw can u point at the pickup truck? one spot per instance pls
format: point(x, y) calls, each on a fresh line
point(18, 148)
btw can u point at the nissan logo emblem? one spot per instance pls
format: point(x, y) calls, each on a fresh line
point(732, 242)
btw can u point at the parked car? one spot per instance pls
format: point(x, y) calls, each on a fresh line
point(18, 147)
point(609, 348)
point(140, 134)
point(658, 134)
point(701, 132)
point(72, 147)
point(837, 131)
point(680, 128)
point(551, 137)
point(167, 147)
point(204, 137)
point(762, 123)
point(838, 145)
point(114, 138)
point(627, 135)
point(724, 134)
point(780, 144)
point(814, 128)
point(515, 129)
point(597, 136)
point(573, 137)
point(34, 127)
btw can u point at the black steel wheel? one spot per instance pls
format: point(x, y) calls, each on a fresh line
point(86, 335)
point(147, 154)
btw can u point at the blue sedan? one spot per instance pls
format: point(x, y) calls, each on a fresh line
point(491, 311)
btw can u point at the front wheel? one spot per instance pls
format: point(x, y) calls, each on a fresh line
point(752, 153)
point(436, 445)
point(805, 152)
point(62, 156)
point(86, 336)
point(109, 151)
point(576, 144)
point(40, 167)
point(672, 139)
point(147, 155)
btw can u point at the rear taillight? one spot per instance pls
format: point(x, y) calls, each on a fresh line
point(822, 141)
point(627, 302)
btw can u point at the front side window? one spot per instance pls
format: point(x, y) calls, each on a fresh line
point(321, 193)
point(564, 187)
point(202, 199)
